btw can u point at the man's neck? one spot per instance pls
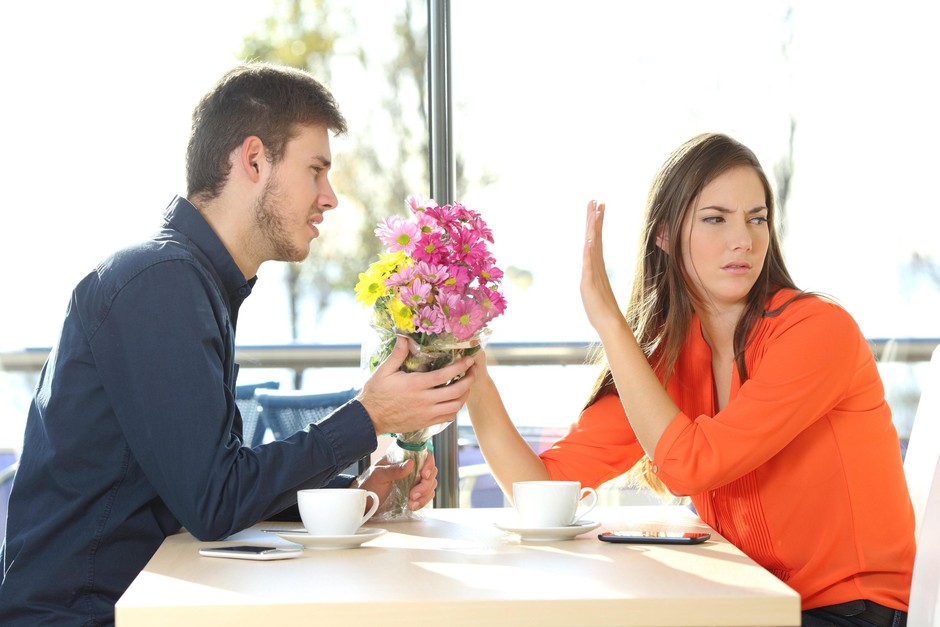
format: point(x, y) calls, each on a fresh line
point(225, 219)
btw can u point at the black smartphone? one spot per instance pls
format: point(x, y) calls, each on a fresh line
point(655, 537)
point(251, 552)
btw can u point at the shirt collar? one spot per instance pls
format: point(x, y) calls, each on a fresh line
point(182, 216)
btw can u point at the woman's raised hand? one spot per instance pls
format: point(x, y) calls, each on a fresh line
point(598, 298)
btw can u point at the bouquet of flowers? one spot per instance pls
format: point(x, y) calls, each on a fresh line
point(437, 285)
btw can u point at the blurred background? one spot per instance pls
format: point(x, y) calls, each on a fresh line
point(554, 104)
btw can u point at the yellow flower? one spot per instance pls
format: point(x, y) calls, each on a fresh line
point(402, 315)
point(389, 263)
point(371, 285)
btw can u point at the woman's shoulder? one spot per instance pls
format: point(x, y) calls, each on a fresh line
point(788, 307)
point(792, 301)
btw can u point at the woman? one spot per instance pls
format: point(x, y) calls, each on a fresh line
point(726, 383)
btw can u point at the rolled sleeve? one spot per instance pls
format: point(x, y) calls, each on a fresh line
point(801, 372)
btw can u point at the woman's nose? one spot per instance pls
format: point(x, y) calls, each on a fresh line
point(741, 238)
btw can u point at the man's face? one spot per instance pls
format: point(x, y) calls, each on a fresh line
point(295, 197)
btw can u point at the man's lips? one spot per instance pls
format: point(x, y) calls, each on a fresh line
point(313, 222)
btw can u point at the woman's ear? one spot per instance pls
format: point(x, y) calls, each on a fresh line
point(662, 238)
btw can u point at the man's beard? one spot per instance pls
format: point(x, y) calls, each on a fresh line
point(273, 235)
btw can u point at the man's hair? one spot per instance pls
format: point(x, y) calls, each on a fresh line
point(260, 99)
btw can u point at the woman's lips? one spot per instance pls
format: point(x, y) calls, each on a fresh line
point(737, 267)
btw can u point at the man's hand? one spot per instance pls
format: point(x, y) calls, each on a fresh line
point(383, 474)
point(400, 402)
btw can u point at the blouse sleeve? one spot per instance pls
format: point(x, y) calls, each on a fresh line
point(597, 448)
point(802, 364)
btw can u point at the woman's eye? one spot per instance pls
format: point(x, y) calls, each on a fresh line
point(713, 219)
point(759, 220)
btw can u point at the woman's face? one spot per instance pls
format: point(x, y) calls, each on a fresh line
point(725, 238)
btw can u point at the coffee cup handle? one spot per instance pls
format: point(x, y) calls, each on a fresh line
point(373, 508)
point(586, 502)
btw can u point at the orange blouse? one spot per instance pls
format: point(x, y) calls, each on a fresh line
point(801, 470)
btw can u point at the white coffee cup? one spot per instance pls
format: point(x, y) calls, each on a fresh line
point(551, 503)
point(335, 511)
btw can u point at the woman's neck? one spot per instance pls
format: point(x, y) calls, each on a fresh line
point(718, 330)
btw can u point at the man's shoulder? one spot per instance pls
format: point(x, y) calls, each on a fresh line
point(165, 261)
point(142, 276)
point(127, 262)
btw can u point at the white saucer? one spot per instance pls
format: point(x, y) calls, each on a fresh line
point(548, 534)
point(333, 542)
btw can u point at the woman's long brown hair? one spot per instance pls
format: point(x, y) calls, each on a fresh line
point(663, 300)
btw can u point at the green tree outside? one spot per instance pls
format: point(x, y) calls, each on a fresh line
point(385, 159)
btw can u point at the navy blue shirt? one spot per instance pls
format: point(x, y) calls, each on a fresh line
point(134, 431)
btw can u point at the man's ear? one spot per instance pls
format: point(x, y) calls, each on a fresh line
point(662, 238)
point(250, 157)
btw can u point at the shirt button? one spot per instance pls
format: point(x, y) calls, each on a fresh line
point(655, 469)
point(242, 291)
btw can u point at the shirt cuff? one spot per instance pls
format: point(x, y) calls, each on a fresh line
point(350, 432)
point(680, 422)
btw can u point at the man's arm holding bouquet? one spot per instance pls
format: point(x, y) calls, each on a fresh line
point(398, 402)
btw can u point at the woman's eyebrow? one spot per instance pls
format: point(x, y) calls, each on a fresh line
point(721, 209)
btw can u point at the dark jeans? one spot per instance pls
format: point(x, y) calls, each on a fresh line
point(862, 613)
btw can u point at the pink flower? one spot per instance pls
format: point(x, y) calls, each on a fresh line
point(418, 293)
point(430, 248)
point(429, 320)
point(467, 247)
point(418, 204)
point(478, 225)
point(404, 276)
point(445, 217)
point(465, 319)
point(446, 301)
point(398, 234)
point(460, 277)
point(434, 274)
point(426, 223)
point(488, 272)
point(492, 301)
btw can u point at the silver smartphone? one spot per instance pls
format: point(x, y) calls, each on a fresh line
point(251, 552)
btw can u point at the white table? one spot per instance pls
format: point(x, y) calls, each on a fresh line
point(456, 568)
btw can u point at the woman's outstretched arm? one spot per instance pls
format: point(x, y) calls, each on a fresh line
point(505, 450)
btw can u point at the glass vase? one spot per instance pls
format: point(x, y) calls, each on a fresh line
point(426, 353)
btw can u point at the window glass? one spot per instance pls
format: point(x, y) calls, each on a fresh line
point(556, 105)
point(553, 104)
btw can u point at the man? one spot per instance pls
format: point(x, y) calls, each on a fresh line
point(133, 432)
